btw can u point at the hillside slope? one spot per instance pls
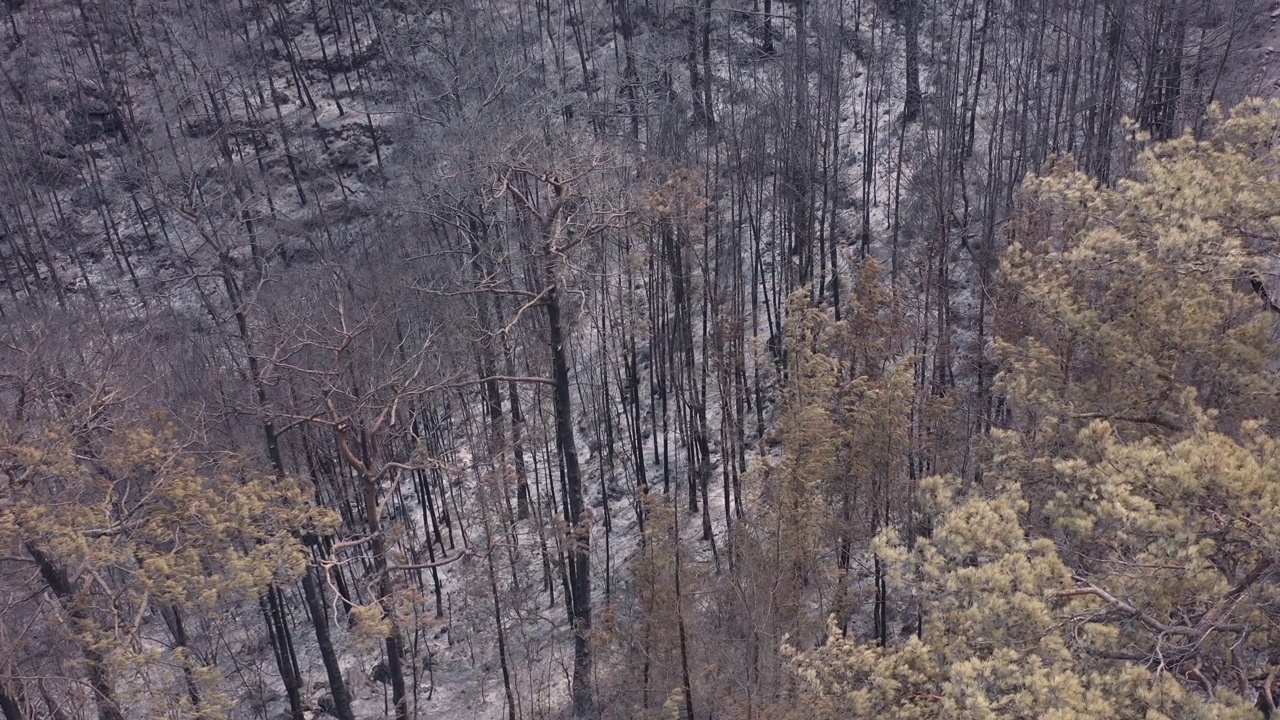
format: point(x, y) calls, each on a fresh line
point(487, 337)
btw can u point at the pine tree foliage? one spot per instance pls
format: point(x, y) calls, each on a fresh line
point(1119, 299)
point(842, 475)
point(1143, 398)
point(995, 644)
point(125, 522)
point(1119, 559)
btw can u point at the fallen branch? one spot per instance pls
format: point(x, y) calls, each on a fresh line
point(1138, 420)
point(429, 565)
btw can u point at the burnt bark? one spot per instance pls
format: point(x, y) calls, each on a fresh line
point(74, 605)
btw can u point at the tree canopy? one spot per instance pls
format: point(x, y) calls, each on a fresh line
point(1118, 558)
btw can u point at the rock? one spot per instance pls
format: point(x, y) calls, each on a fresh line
point(201, 125)
point(613, 491)
point(344, 62)
point(85, 198)
point(325, 24)
point(613, 486)
point(89, 120)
